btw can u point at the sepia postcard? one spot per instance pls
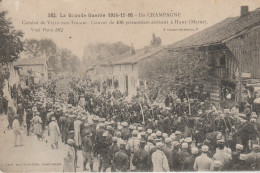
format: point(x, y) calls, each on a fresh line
point(129, 85)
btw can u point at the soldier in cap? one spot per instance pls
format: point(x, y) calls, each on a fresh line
point(141, 158)
point(242, 164)
point(203, 162)
point(253, 158)
point(54, 133)
point(222, 155)
point(112, 151)
point(102, 151)
point(121, 160)
point(87, 150)
point(69, 159)
point(217, 165)
point(132, 146)
point(29, 116)
point(183, 153)
point(125, 131)
point(159, 159)
point(189, 161)
point(175, 156)
point(167, 149)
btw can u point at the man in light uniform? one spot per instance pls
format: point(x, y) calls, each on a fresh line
point(203, 162)
point(159, 159)
point(222, 155)
point(132, 146)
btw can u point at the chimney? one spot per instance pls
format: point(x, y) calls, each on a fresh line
point(244, 11)
point(132, 49)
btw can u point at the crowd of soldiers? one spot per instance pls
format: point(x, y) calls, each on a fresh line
point(139, 136)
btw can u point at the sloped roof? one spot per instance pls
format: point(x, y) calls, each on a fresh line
point(221, 31)
point(29, 61)
point(128, 58)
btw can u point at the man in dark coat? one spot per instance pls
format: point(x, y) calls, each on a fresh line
point(121, 159)
point(29, 116)
point(141, 158)
point(189, 161)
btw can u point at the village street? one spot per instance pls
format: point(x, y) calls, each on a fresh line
point(33, 156)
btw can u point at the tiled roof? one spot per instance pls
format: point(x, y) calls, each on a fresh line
point(221, 31)
point(131, 59)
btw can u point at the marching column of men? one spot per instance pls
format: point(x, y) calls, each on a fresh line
point(124, 146)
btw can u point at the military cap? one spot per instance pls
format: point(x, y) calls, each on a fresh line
point(109, 128)
point(88, 132)
point(143, 133)
point(194, 150)
point(142, 141)
point(101, 124)
point(252, 120)
point(165, 135)
point(184, 145)
point(132, 127)
point(83, 118)
point(96, 118)
point(153, 135)
point(158, 133)
point(221, 142)
point(204, 148)
point(253, 116)
point(188, 139)
point(168, 140)
point(102, 119)
point(150, 138)
point(70, 142)
point(157, 140)
point(139, 128)
point(119, 127)
point(177, 133)
point(114, 139)
point(149, 131)
point(255, 147)
point(159, 144)
point(172, 136)
point(239, 147)
point(135, 132)
point(124, 124)
point(219, 136)
point(105, 133)
point(90, 123)
point(53, 118)
point(175, 143)
point(242, 157)
point(217, 164)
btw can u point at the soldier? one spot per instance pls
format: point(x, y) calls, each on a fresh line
point(203, 162)
point(253, 158)
point(159, 159)
point(149, 145)
point(29, 116)
point(121, 160)
point(167, 149)
point(102, 150)
point(87, 150)
point(183, 154)
point(236, 154)
point(125, 132)
point(222, 155)
point(189, 161)
point(132, 146)
point(242, 164)
point(141, 158)
point(112, 151)
point(176, 161)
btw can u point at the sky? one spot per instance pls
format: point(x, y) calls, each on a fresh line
point(76, 37)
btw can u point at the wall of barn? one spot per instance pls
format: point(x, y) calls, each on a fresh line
point(246, 48)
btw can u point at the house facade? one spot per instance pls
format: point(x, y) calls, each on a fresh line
point(36, 68)
point(122, 72)
point(232, 48)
